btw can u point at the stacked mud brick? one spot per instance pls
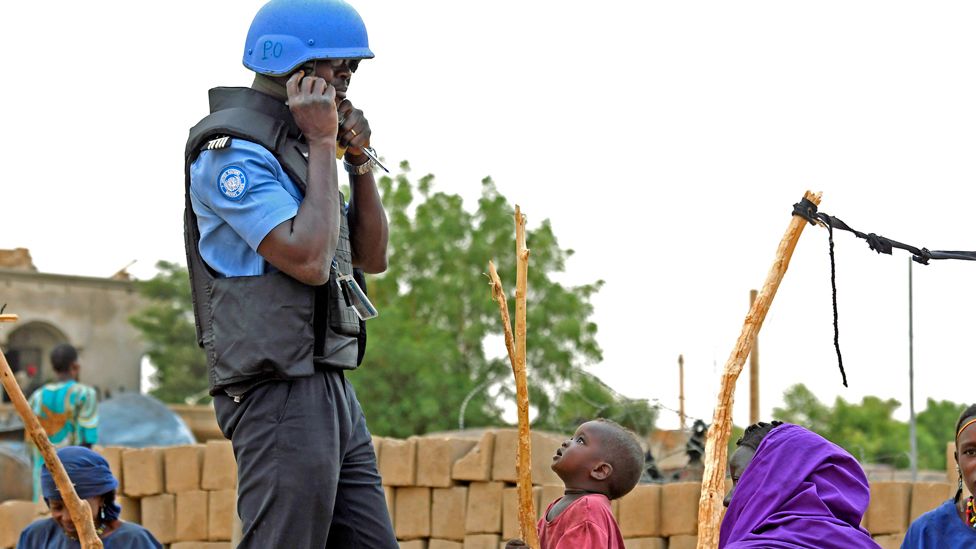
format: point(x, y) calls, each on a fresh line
point(185, 495)
point(459, 493)
point(442, 493)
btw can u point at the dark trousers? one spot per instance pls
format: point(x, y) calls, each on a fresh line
point(306, 466)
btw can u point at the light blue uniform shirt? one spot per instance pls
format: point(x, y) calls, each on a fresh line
point(239, 194)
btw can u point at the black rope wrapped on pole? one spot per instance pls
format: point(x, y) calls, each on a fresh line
point(880, 244)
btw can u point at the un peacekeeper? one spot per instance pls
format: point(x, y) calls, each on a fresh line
point(270, 245)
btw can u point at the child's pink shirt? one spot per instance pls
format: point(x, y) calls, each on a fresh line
point(586, 524)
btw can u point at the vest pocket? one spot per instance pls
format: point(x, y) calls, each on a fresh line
point(262, 327)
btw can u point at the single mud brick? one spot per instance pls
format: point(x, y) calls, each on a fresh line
point(219, 466)
point(679, 508)
point(682, 542)
point(184, 466)
point(890, 541)
point(191, 516)
point(412, 513)
point(436, 457)
point(481, 541)
point(543, 447)
point(889, 508)
point(14, 517)
point(143, 468)
point(484, 514)
point(550, 493)
point(221, 512)
point(510, 508)
point(414, 544)
point(646, 543)
point(476, 464)
point(131, 509)
point(927, 496)
point(444, 544)
point(398, 463)
point(447, 512)
point(159, 516)
point(113, 455)
point(639, 514)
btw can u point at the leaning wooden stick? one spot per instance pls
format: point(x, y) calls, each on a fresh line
point(716, 445)
point(516, 354)
point(79, 510)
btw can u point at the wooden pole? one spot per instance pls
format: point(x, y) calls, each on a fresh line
point(753, 371)
point(524, 457)
point(515, 344)
point(78, 509)
point(716, 445)
point(681, 391)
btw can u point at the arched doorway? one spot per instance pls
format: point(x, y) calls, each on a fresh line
point(28, 351)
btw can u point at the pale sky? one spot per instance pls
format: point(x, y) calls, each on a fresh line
point(666, 141)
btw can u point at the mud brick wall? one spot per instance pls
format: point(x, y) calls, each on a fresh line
point(452, 492)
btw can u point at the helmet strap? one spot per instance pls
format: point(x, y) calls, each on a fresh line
point(269, 85)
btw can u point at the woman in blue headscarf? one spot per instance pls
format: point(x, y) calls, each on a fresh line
point(953, 524)
point(94, 483)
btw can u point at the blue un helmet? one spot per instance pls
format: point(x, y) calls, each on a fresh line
point(287, 33)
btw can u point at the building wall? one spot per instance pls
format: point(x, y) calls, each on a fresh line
point(90, 313)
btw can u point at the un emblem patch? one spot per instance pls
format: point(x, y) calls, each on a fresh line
point(232, 182)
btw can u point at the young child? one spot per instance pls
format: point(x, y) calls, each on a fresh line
point(602, 462)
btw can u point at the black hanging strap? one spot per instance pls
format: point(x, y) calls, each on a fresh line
point(880, 244)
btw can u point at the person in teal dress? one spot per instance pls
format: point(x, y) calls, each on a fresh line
point(67, 409)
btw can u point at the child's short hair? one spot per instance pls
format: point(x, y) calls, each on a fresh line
point(625, 455)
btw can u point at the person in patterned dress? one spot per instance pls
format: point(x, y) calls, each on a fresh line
point(67, 409)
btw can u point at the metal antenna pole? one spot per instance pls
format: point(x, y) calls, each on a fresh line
point(912, 434)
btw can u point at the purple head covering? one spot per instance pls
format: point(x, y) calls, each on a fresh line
point(800, 490)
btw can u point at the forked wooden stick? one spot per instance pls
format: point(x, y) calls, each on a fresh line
point(717, 443)
point(79, 511)
point(516, 354)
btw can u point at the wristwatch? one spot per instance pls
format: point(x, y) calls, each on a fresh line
point(365, 167)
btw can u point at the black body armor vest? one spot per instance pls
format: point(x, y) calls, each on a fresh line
point(267, 326)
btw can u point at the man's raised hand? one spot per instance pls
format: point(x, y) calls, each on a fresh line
point(354, 132)
point(312, 103)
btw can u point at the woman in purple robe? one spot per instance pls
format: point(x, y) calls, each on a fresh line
point(953, 524)
point(793, 488)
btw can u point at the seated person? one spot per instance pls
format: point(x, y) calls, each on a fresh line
point(792, 488)
point(603, 461)
point(953, 524)
point(95, 484)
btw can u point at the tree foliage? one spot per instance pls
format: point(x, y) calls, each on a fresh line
point(167, 327)
point(427, 351)
point(868, 429)
point(585, 397)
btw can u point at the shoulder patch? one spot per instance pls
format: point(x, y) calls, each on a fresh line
point(232, 182)
point(218, 143)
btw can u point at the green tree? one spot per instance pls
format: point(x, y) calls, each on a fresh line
point(426, 355)
point(868, 430)
point(586, 397)
point(936, 426)
point(167, 327)
point(802, 407)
